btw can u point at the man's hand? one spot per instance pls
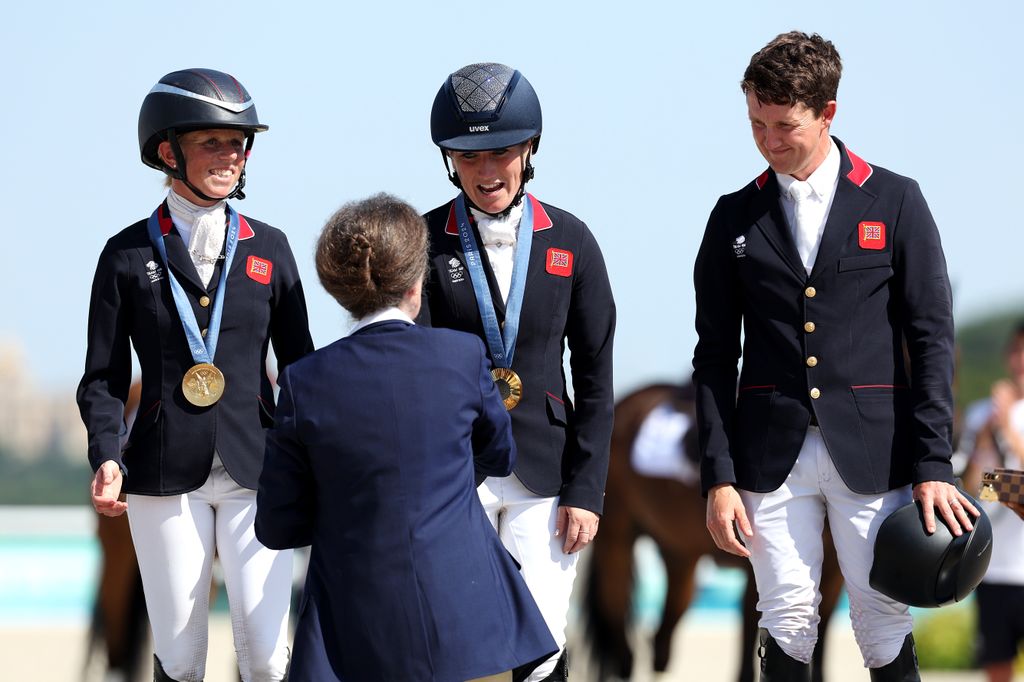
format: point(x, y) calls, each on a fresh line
point(1017, 508)
point(1004, 395)
point(577, 526)
point(951, 503)
point(106, 489)
point(725, 514)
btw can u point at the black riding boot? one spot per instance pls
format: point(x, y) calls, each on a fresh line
point(158, 672)
point(559, 674)
point(902, 669)
point(777, 665)
point(561, 671)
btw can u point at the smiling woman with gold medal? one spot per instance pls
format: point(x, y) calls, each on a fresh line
point(200, 292)
point(527, 278)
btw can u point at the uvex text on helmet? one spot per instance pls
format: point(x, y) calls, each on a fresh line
point(918, 569)
point(485, 106)
point(193, 99)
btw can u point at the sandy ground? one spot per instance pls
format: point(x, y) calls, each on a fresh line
point(703, 653)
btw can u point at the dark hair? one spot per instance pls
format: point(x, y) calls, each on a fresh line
point(795, 68)
point(1015, 334)
point(371, 252)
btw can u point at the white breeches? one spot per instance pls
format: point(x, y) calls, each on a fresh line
point(526, 526)
point(176, 538)
point(786, 555)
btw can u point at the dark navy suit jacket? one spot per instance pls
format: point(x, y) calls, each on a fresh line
point(171, 445)
point(371, 461)
point(563, 449)
point(863, 345)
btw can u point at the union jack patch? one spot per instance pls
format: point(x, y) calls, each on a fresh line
point(559, 262)
point(259, 270)
point(871, 235)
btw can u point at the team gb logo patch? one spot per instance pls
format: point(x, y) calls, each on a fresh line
point(871, 235)
point(259, 270)
point(559, 262)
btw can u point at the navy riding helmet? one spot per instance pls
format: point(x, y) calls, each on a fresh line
point(485, 106)
point(918, 569)
point(194, 99)
point(482, 107)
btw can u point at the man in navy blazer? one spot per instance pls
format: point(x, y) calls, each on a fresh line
point(833, 269)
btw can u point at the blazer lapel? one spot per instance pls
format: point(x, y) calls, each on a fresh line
point(243, 249)
point(538, 259)
point(849, 205)
point(178, 258)
point(452, 231)
point(768, 216)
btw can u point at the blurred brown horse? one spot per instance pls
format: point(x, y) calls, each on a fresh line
point(120, 625)
point(672, 514)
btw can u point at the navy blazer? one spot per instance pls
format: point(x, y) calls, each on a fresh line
point(563, 450)
point(171, 445)
point(863, 345)
point(371, 461)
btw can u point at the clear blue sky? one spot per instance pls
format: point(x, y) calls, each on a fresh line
point(644, 127)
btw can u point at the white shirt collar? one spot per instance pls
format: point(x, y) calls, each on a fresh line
point(498, 230)
point(822, 181)
point(185, 215)
point(380, 316)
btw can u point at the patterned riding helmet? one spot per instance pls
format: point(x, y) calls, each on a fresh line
point(485, 106)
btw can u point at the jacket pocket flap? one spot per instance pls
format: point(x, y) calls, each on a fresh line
point(556, 409)
point(267, 411)
point(144, 421)
point(871, 260)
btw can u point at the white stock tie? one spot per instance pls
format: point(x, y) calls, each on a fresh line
point(806, 229)
point(206, 242)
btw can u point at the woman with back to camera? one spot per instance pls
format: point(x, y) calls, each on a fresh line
point(527, 278)
point(200, 292)
point(371, 461)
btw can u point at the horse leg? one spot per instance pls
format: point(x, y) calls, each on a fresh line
point(680, 569)
point(749, 636)
point(831, 587)
point(609, 595)
point(118, 579)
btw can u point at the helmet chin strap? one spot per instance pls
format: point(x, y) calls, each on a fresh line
point(179, 172)
point(527, 175)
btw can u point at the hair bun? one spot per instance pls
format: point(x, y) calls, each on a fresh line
point(371, 252)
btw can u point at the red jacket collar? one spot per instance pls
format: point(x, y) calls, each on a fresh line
point(860, 170)
point(541, 219)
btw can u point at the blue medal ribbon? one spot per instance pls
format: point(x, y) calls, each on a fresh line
point(500, 343)
point(202, 349)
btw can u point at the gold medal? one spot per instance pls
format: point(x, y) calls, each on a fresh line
point(203, 385)
point(510, 386)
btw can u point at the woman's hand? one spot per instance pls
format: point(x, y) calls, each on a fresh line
point(106, 489)
point(577, 526)
point(726, 518)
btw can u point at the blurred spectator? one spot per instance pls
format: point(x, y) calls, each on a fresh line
point(994, 437)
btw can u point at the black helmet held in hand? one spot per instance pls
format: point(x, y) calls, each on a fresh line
point(924, 570)
point(194, 99)
point(485, 106)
